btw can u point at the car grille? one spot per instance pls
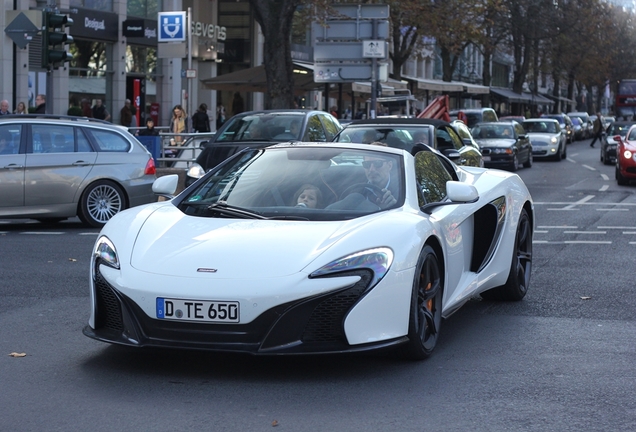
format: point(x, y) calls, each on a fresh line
point(108, 305)
point(327, 319)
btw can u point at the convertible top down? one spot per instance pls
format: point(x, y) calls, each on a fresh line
point(312, 248)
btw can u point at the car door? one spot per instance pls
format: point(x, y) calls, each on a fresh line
point(523, 142)
point(12, 163)
point(59, 160)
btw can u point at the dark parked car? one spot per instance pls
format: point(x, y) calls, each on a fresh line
point(405, 133)
point(608, 140)
point(256, 129)
point(57, 167)
point(503, 144)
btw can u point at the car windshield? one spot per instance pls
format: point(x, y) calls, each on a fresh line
point(300, 183)
point(576, 121)
point(540, 126)
point(396, 136)
point(492, 131)
point(262, 127)
point(618, 129)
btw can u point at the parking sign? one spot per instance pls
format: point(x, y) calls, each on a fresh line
point(172, 26)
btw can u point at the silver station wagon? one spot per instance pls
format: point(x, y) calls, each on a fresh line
point(56, 167)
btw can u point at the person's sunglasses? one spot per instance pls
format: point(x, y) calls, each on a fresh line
point(375, 163)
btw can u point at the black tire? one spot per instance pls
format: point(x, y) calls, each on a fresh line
point(559, 155)
point(514, 166)
point(619, 177)
point(100, 202)
point(516, 285)
point(425, 317)
point(528, 162)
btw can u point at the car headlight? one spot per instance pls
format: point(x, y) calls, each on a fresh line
point(553, 140)
point(195, 171)
point(105, 251)
point(503, 150)
point(627, 154)
point(378, 260)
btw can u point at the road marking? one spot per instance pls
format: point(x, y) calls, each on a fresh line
point(541, 232)
point(586, 242)
point(612, 209)
point(584, 232)
point(604, 188)
point(605, 177)
point(567, 209)
point(616, 227)
point(558, 227)
point(589, 167)
point(42, 233)
point(89, 234)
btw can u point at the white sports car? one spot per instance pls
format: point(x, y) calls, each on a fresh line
point(312, 248)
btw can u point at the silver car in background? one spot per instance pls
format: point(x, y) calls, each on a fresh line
point(547, 138)
point(56, 167)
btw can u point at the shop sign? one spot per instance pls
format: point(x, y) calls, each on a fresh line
point(140, 32)
point(93, 24)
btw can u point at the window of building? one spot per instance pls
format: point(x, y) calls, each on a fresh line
point(103, 5)
point(143, 9)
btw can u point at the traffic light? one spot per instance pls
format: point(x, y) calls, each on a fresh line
point(54, 38)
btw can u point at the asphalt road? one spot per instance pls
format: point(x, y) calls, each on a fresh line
point(560, 360)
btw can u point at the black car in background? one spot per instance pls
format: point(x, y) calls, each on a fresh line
point(608, 143)
point(503, 144)
point(256, 129)
point(406, 133)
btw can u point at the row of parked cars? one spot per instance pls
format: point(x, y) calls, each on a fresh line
point(56, 167)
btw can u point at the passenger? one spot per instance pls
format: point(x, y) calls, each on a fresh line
point(420, 137)
point(256, 131)
point(308, 196)
point(294, 129)
point(5, 141)
point(368, 137)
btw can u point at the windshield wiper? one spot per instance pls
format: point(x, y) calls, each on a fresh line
point(230, 210)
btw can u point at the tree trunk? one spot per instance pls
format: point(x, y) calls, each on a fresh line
point(275, 18)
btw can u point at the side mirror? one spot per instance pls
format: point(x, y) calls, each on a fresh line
point(459, 192)
point(166, 185)
point(452, 154)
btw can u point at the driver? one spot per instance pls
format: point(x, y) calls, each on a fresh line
point(378, 172)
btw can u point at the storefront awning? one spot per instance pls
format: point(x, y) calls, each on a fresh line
point(475, 88)
point(255, 80)
point(511, 96)
point(436, 85)
point(541, 100)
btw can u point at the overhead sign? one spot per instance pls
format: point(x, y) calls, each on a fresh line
point(330, 73)
point(361, 11)
point(350, 51)
point(172, 26)
point(23, 26)
point(349, 30)
point(374, 49)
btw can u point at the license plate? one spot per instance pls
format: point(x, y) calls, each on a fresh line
point(486, 158)
point(198, 310)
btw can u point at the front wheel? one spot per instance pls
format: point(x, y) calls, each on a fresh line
point(528, 162)
point(100, 202)
point(516, 285)
point(425, 316)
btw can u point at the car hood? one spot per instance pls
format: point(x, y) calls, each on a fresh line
point(499, 142)
point(173, 244)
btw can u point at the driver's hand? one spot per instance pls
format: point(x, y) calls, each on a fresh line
point(387, 199)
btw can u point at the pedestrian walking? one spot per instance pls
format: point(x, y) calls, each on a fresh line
point(21, 109)
point(40, 104)
point(598, 129)
point(4, 107)
point(126, 114)
point(220, 115)
point(201, 120)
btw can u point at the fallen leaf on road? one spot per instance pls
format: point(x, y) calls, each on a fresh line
point(585, 298)
point(72, 259)
point(275, 423)
point(15, 354)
